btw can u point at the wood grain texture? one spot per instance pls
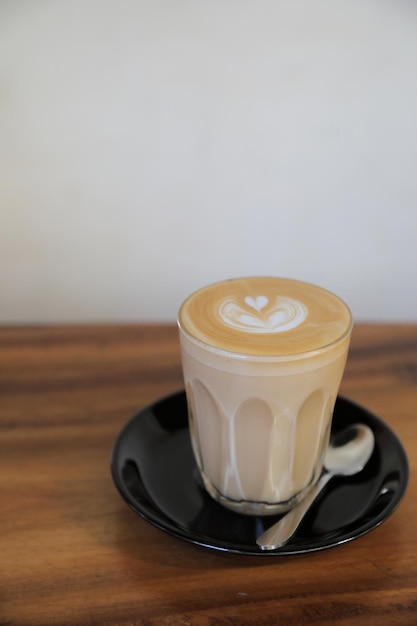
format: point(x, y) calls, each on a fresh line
point(72, 552)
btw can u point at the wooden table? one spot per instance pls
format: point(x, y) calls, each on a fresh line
point(73, 553)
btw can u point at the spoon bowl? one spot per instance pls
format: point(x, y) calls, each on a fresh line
point(350, 450)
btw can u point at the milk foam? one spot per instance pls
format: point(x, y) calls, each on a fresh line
point(265, 316)
point(280, 316)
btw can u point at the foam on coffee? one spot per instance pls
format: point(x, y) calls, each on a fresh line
point(265, 316)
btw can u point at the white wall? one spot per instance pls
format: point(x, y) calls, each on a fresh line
point(150, 147)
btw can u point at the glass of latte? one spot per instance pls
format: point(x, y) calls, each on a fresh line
point(263, 358)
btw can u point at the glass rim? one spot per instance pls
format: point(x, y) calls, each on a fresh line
point(253, 356)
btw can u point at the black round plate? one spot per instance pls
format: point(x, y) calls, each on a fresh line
point(153, 468)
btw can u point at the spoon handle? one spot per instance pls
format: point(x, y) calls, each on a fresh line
point(278, 534)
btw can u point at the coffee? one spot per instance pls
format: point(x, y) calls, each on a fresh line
point(265, 316)
point(262, 359)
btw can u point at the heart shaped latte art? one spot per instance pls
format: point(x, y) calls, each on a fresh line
point(258, 315)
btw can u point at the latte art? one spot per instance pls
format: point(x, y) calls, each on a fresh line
point(258, 315)
point(264, 316)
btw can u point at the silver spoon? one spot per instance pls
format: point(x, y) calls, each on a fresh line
point(343, 460)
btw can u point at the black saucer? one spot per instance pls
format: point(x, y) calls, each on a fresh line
point(154, 470)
